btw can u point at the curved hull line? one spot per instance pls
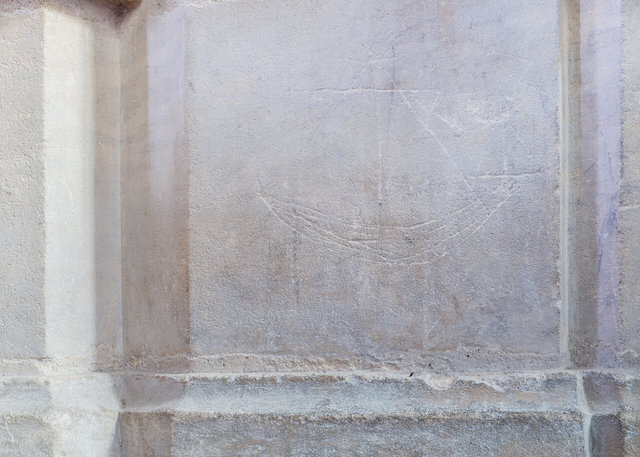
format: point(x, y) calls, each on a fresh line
point(398, 244)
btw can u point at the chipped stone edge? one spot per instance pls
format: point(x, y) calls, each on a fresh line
point(107, 12)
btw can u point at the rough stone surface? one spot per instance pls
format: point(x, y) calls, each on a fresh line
point(592, 153)
point(155, 214)
point(350, 393)
point(64, 415)
point(509, 435)
point(630, 185)
point(631, 430)
point(25, 437)
point(22, 187)
point(402, 227)
point(363, 233)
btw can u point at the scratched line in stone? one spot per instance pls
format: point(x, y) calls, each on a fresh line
point(403, 244)
point(417, 243)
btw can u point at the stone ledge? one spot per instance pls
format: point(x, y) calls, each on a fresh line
point(363, 392)
point(290, 394)
point(354, 393)
point(465, 360)
point(336, 413)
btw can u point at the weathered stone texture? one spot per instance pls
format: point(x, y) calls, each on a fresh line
point(25, 437)
point(631, 430)
point(60, 185)
point(155, 214)
point(60, 268)
point(371, 170)
point(350, 393)
point(630, 185)
point(21, 187)
point(72, 415)
point(337, 227)
point(504, 435)
point(70, 167)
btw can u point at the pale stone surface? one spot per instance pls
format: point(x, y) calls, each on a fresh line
point(319, 228)
point(631, 431)
point(351, 414)
point(21, 187)
point(60, 268)
point(612, 404)
point(25, 437)
point(71, 415)
point(503, 435)
point(69, 138)
point(60, 189)
point(630, 185)
point(350, 393)
point(361, 177)
point(154, 185)
point(591, 148)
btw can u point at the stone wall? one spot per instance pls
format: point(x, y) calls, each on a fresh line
point(319, 228)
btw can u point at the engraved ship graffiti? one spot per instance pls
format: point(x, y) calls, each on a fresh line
point(402, 244)
point(417, 243)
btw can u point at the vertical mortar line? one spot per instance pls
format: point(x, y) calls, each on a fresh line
point(562, 124)
point(569, 51)
point(584, 407)
point(120, 193)
point(119, 140)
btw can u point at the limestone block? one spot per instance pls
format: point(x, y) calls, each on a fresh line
point(591, 138)
point(60, 274)
point(612, 403)
point(373, 184)
point(452, 436)
point(631, 431)
point(60, 269)
point(73, 416)
point(348, 393)
point(606, 437)
point(380, 229)
point(630, 234)
point(24, 396)
point(349, 227)
point(615, 435)
point(630, 184)
point(351, 414)
point(71, 134)
point(84, 414)
point(25, 437)
point(22, 189)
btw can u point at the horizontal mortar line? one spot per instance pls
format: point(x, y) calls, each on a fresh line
point(442, 413)
point(400, 374)
point(418, 409)
point(354, 363)
point(390, 373)
point(382, 374)
point(356, 90)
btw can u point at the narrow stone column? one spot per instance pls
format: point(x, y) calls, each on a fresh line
point(60, 302)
